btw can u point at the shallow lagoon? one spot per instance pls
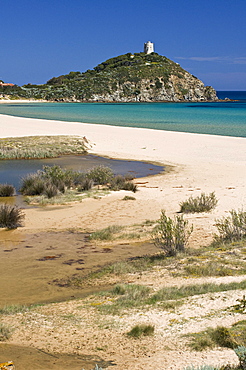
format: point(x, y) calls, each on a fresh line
point(12, 171)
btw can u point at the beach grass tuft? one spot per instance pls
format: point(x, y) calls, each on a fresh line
point(6, 190)
point(10, 216)
point(202, 203)
point(141, 330)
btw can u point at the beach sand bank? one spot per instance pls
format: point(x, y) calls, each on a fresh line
point(199, 163)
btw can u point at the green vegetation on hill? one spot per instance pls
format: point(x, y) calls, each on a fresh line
point(128, 77)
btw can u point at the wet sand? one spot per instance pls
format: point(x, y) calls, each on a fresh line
point(32, 358)
point(35, 268)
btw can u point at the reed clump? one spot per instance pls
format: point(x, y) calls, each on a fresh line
point(6, 190)
point(202, 203)
point(11, 217)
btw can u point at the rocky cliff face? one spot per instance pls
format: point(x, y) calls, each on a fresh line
point(187, 88)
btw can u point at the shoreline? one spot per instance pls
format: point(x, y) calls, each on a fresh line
point(200, 163)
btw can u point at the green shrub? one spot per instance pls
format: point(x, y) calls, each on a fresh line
point(202, 203)
point(101, 175)
point(48, 182)
point(222, 337)
point(172, 235)
point(10, 216)
point(50, 190)
point(85, 184)
point(58, 176)
point(117, 182)
point(5, 332)
point(232, 228)
point(130, 186)
point(32, 184)
point(120, 182)
point(6, 190)
point(241, 354)
point(141, 330)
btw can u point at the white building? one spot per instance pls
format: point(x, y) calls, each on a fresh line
point(148, 47)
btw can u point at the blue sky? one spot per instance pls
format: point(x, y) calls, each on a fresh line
point(43, 39)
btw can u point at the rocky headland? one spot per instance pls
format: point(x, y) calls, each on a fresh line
point(126, 78)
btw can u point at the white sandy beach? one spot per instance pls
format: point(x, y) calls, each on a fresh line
point(201, 163)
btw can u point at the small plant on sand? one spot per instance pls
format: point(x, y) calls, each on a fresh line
point(202, 203)
point(232, 228)
point(107, 233)
point(6, 190)
point(220, 336)
point(5, 332)
point(241, 354)
point(128, 197)
point(141, 330)
point(10, 216)
point(172, 235)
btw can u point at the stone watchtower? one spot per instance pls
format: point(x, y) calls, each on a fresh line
point(148, 47)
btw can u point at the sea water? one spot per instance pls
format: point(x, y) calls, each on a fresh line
point(227, 118)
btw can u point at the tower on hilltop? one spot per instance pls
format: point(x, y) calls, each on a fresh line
point(148, 47)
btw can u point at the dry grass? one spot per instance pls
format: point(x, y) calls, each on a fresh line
point(42, 147)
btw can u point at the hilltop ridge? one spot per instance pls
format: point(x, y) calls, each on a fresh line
point(129, 77)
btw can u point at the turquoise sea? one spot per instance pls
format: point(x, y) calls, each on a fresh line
point(218, 118)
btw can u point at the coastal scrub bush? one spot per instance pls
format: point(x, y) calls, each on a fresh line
point(50, 190)
point(10, 216)
point(232, 228)
point(219, 336)
point(58, 176)
point(32, 184)
point(85, 184)
point(101, 175)
point(6, 190)
point(172, 235)
point(120, 182)
point(222, 336)
point(141, 330)
point(202, 203)
point(241, 354)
